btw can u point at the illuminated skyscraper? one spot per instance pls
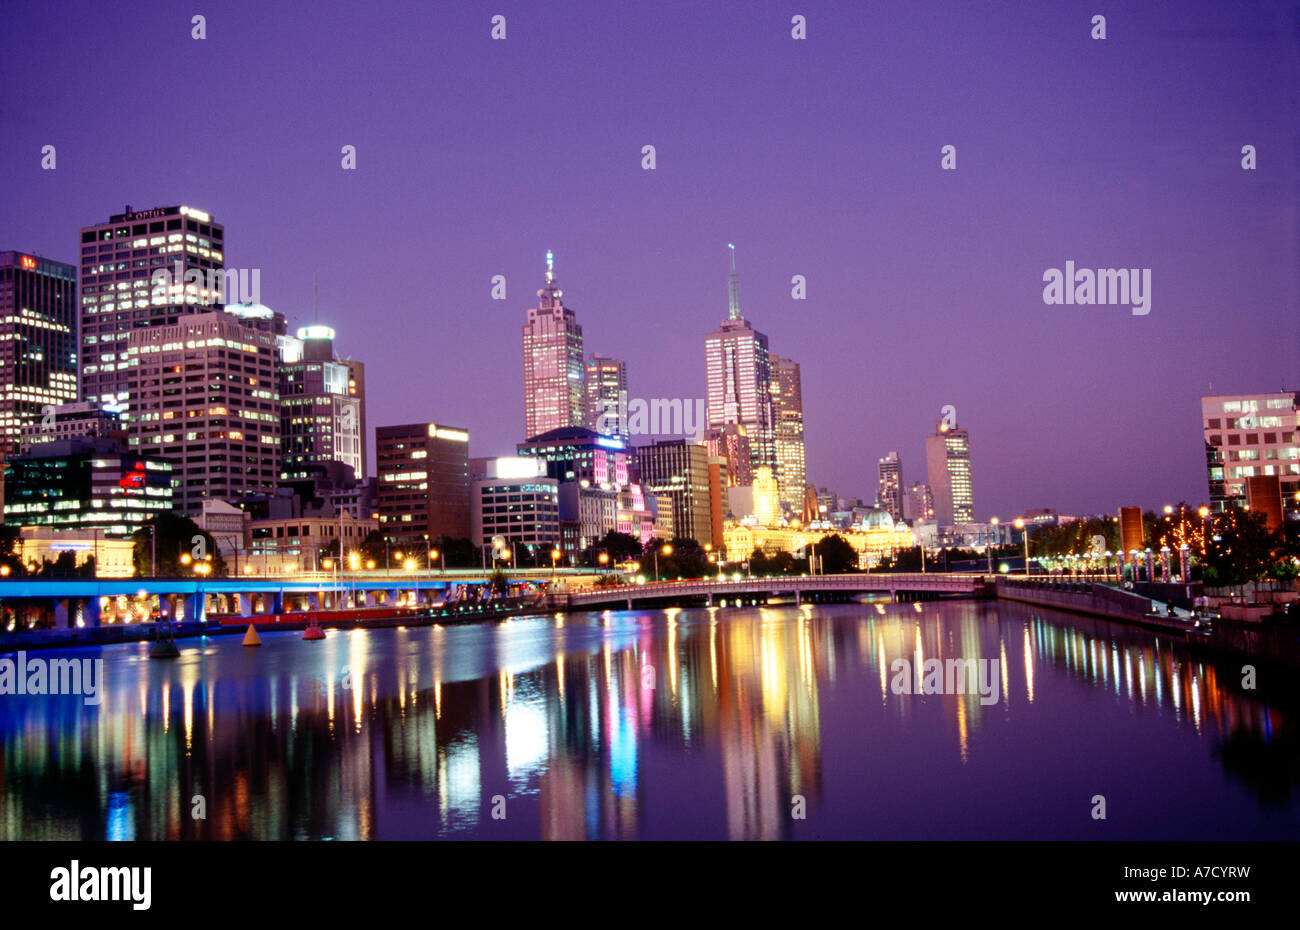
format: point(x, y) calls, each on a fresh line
point(739, 379)
point(1252, 435)
point(424, 486)
point(891, 485)
point(607, 396)
point(947, 456)
point(554, 393)
point(322, 405)
point(119, 292)
point(38, 341)
point(787, 409)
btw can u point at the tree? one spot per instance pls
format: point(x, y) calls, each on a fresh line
point(1243, 549)
point(180, 543)
point(836, 555)
point(621, 547)
point(11, 549)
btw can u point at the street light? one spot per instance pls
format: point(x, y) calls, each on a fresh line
point(667, 550)
point(440, 556)
point(989, 549)
point(1020, 525)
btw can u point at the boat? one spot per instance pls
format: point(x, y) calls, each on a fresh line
point(313, 631)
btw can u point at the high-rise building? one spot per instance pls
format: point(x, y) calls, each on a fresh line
point(38, 342)
point(787, 410)
point(144, 268)
point(739, 379)
point(891, 486)
point(554, 394)
point(73, 421)
point(1248, 435)
point(731, 444)
point(679, 470)
point(203, 394)
point(424, 487)
point(918, 503)
point(580, 454)
point(322, 406)
point(607, 396)
point(947, 458)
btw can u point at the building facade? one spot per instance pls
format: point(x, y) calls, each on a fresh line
point(322, 406)
point(78, 420)
point(1249, 435)
point(204, 395)
point(891, 485)
point(554, 394)
point(607, 396)
point(947, 457)
point(38, 342)
point(678, 470)
point(423, 481)
point(142, 269)
point(787, 412)
point(87, 484)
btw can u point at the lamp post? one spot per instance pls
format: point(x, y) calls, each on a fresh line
point(667, 550)
point(989, 548)
point(1024, 528)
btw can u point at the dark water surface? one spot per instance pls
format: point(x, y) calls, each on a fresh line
point(698, 724)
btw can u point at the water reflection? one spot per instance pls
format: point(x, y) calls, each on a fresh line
point(691, 723)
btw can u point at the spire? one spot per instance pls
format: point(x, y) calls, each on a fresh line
point(733, 287)
point(549, 290)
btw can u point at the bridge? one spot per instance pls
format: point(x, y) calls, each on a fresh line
point(85, 602)
point(916, 585)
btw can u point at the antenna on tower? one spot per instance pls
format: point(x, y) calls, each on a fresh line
point(733, 287)
point(315, 302)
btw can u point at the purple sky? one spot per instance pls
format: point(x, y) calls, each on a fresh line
point(817, 157)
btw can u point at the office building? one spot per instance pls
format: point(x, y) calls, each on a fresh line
point(86, 484)
point(579, 454)
point(203, 391)
point(918, 503)
point(77, 420)
point(322, 406)
point(891, 485)
point(513, 498)
point(144, 268)
point(1252, 435)
point(731, 444)
point(787, 412)
point(947, 457)
point(38, 342)
point(678, 470)
point(423, 482)
point(738, 379)
point(554, 393)
point(607, 396)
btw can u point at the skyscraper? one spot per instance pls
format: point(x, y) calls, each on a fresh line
point(38, 342)
point(322, 404)
point(918, 503)
point(119, 291)
point(554, 394)
point(607, 396)
point(203, 394)
point(739, 379)
point(787, 409)
point(891, 485)
point(679, 469)
point(947, 458)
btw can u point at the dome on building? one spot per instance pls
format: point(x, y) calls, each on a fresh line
point(877, 519)
point(250, 311)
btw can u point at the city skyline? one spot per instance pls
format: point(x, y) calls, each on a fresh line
point(902, 260)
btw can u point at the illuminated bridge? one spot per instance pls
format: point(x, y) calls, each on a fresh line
point(898, 585)
point(82, 602)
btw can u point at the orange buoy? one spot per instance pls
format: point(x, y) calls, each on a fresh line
point(251, 638)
